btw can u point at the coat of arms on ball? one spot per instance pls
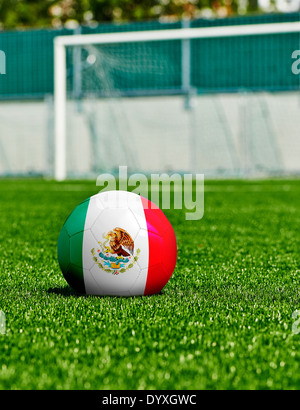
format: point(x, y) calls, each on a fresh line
point(115, 254)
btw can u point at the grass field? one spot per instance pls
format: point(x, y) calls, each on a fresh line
point(224, 321)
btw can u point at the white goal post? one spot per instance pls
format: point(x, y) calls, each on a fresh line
point(60, 71)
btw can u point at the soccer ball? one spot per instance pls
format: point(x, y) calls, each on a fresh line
point(117, 243)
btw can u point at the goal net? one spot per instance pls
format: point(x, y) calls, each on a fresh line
point(219, 101)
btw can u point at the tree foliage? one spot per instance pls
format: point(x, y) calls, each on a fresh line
point(47, 13)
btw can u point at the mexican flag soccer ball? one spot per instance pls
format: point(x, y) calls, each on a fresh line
point(117, 243)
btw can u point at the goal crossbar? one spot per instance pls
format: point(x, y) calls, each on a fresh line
point(178, 34)
point(61, 42)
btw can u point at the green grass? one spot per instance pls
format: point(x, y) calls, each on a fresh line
point(224, 321)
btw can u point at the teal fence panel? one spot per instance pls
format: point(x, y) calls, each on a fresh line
point(29, 63)
point(220, 64)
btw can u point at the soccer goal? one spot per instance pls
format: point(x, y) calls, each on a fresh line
point(216, 100)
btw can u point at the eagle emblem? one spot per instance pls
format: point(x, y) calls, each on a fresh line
point(115, 254)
